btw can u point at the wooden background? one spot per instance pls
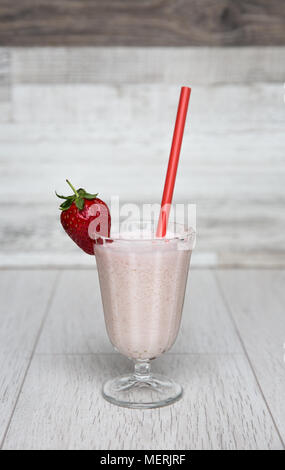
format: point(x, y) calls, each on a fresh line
point(142, 23)
point(103, 116)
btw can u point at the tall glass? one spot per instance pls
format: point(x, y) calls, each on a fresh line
point(142, 282)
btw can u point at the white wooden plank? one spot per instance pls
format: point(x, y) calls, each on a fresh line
point(5, 105)
point(5, 88)
point(73, 259)
point(200, 260)
point(24, 298)
point(232, 165)
point(222, 407)
point(109, 107)
point(229, 232)
point(227, 164)
point(206, 326)
point(79, 328)
point(253, 149)
point(131, 183)
point(147, 65)
point(256, 300)
point(12, 371)
point(5, 67)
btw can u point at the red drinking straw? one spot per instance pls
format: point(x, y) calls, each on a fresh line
point(173, 161)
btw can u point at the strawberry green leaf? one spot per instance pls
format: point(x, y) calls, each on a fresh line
point(90, 196)
point(79, 201)
point(81, 192)
point(78, 197)
point(64, 197)
point(66, 204)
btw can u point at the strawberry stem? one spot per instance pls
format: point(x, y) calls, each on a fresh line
point(73, 189)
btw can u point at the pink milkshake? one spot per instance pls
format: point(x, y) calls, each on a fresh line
point(143, 281)
point(143, 285)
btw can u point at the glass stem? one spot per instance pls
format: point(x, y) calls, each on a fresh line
point(142, 370)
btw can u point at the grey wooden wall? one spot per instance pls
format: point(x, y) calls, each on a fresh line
point(142, 23)
point(104, 118)
point(88, 90)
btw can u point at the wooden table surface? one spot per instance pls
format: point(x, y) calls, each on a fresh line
point(229, 356)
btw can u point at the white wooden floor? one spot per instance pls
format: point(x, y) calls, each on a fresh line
point(54, 356)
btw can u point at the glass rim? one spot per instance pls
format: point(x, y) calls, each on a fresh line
point(187, 233)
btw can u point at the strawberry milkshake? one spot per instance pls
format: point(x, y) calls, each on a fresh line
point(142, 281)
point(142, 286)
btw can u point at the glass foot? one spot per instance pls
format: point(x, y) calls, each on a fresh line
point(132, 391)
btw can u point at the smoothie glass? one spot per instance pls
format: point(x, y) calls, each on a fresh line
point(142, 281)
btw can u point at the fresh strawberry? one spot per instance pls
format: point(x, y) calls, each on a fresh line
point(78, 213)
